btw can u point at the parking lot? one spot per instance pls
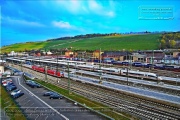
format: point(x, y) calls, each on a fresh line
point(39, 107)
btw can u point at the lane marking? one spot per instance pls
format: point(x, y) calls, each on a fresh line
point(27, 102)
point(43, 101)
point(30, 106)
point(36, 117)
point(30, 94)
point(46, 118)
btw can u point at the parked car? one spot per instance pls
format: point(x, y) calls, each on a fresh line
point(55, 96)
point(28, 82)
point(48, 93)
point(11, 87)
point(18, 95)
point(8, 83)
point(6, 80)
point(15, 92)
point(33, 84)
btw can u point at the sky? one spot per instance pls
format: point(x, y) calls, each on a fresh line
point(39, 20)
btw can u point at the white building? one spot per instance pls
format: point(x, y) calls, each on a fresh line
point(12, 53)
point(1, 70)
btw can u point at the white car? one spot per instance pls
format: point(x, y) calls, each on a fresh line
point(6, 80)
point(15, 92)
point(6, 83)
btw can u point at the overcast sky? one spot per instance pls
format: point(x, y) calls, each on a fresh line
point(39, 20)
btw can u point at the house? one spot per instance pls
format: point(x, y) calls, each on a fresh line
point(12, 53)
point(97, 54)
point(154, 56)
point(116, 55)
point(169, 59)
point(81, 54)
point(137, 57)
point(176, 54)
point(69, 53)
point(49, 53)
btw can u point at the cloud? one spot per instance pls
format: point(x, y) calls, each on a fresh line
point(67, 27)
point(72, 6)
point(99, 9)
point(14, 21)
point(61, 24)
point(93, 5)
point(78, 7)
point(110, 13)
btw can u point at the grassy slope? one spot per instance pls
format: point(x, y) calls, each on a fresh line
point(134, 42)
point(127, 42)
point(23, 46)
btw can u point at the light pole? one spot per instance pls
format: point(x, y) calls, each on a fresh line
point(57, 66)
point(68, 79)
point(46, 73)
point(176, 80)
point(127, 75)
point(21, 66)
point(100, 66)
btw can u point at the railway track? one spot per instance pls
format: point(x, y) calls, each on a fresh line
point(117, 100)
point(139, 85)
point(166, 73)
point(170, 82)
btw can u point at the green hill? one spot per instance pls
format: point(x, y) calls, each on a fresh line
point(127, 42)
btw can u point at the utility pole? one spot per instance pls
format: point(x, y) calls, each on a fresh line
point(100, 65)
point(177, 80)
point(69, 89)
point(153, 59)
point(45, 73)
point(130, 61)
point(21, 66)
point(39, 60)
point(127, 76)
point(57, 67)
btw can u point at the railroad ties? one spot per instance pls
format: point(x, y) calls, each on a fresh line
point(117, 100)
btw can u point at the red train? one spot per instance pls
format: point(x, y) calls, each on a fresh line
point(49, 71)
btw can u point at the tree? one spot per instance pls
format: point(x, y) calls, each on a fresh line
point(172, 43)
point(163, 43)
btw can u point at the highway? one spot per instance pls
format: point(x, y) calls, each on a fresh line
point(38, 107)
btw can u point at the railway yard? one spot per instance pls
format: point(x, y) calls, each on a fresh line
point(151, 96)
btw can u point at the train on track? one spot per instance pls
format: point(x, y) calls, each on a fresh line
point(148, 65)
point(49, 71)
point(117, 71)
point(85, 66)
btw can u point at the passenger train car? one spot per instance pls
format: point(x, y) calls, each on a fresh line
point(49, 71)
point(141, 75)
point(96, 68)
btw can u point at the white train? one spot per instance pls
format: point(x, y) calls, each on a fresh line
point(117, 71)
point(96, 68)
point(141, 75)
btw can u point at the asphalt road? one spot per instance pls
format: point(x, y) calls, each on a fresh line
point(38, 107)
